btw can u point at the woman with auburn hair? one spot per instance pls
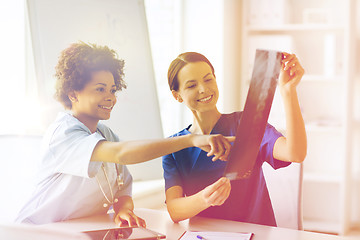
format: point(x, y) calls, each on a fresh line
point(193, 182)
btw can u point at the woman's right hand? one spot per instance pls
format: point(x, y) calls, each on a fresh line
point(216, 193)
point(126, 217)
point(214, 144)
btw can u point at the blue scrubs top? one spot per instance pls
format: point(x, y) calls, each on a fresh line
point(249, 199)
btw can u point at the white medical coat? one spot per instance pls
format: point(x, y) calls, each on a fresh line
point(66, 186)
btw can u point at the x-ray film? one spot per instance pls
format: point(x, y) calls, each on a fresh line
point(255, 115)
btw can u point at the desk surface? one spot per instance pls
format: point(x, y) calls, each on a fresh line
point(160, 221)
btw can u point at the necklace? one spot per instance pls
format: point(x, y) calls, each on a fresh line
point(119, 180)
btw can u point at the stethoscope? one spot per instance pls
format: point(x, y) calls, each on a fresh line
point(119, 180)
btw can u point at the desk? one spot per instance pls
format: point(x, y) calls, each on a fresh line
point(160, 221)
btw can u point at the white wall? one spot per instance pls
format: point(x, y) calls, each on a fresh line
point(233, 22)
point(177, 26)
point(356, 154)
point(203, 32)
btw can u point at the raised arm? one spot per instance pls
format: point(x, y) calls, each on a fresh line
point(131, 152)
point(181, 208)
point(293, 148)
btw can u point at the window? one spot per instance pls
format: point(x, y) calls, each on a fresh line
point(21, 112)
point(178, 26)
point(174, 27)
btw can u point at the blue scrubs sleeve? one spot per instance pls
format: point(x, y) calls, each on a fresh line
point(171, 172)
point(267, 147)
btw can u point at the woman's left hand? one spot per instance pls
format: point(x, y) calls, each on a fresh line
point(291, 72)
point(127, 217)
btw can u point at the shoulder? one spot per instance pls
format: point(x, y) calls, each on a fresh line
point(171, 157)
point(232, 116)
point(183, 132)
point(271, 133)
point(228, 123)
point(270, 128)
point(108, 133)
point(66, 123)
point(65, 127)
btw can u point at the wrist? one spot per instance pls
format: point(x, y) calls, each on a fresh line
point(204, 204)
point(287, 91)
point(123, 209)
point(190, 140)
point(124, 203)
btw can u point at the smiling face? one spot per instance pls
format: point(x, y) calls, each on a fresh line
point(197, 87)
point(96, 100)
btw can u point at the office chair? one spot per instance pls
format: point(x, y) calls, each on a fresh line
point(285, 189)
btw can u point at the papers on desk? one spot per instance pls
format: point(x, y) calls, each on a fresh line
point(190, 235)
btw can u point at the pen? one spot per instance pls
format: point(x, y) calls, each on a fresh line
point(200, 237)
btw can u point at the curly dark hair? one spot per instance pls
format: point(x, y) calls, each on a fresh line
point(76, 65)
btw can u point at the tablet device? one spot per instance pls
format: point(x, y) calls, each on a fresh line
point(254, 118)
point(134, 233)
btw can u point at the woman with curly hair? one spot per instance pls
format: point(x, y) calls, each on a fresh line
point(82, 170)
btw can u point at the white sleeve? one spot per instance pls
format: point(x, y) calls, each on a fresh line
point(71, 150)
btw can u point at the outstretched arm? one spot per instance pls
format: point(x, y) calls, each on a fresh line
point(131, 152)
point(293, 148)
point(181, 208)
